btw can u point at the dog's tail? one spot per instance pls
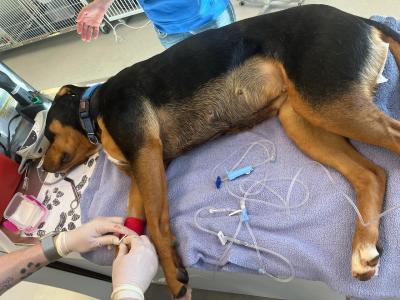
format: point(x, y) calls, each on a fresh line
point(389, 36)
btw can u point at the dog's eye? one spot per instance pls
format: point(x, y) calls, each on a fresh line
point(65, 158)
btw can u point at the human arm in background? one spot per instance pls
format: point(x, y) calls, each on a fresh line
point(90, 18)
point(18, 265)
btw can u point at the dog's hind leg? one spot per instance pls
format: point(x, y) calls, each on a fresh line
point(151, 188)
point(352, 113)
point(367, 179)
point(355, 116)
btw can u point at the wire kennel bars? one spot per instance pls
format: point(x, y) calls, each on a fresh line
point(26, 21)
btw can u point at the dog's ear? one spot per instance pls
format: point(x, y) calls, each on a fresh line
point(62, 91)
point(69, 89)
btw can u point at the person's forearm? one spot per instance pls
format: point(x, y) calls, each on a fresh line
point(18, 265)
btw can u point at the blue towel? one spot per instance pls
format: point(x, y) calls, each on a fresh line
point(106, 195)
point(316, 237)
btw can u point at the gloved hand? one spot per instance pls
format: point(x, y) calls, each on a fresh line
point(90, 18)
point(96, 233)
point(136, 263)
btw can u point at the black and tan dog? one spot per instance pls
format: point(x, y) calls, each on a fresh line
point(314, 66)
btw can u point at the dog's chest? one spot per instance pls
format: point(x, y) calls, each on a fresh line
point(110, 148)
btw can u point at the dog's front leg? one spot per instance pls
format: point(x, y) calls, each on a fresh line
point(148, 198)
point(135, 201)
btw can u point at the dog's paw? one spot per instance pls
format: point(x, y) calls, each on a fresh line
point(182, 275)
point(187, 295)
point(364, 262)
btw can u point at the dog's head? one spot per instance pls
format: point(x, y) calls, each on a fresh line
point(69, 145)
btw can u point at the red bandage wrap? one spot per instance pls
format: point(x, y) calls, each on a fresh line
point(135, 224)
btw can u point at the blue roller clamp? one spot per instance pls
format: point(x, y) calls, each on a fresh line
point(244, 216)
point(239, 172)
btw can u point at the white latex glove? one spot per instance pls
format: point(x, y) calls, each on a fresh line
point(96, 233)
point(136, 266)
point(90, 18)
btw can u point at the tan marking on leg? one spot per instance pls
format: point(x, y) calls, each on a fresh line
point(135, 201)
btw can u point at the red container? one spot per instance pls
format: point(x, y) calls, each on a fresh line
point(9, 181)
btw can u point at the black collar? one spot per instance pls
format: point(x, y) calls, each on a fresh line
point(87, 122)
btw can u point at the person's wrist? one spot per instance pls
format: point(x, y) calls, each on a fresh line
point(61, 245)
point(49, 249)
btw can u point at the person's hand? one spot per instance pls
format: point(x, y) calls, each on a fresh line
point(96, 233)
point(136, 263)
point(90, 18)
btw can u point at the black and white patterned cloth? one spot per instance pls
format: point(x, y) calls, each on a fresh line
point(59, 198)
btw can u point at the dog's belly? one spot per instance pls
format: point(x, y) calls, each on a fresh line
point(239, 99)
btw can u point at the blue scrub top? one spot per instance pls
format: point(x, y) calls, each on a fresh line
point(176, 16)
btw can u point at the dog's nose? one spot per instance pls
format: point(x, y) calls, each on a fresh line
point(65, 158)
